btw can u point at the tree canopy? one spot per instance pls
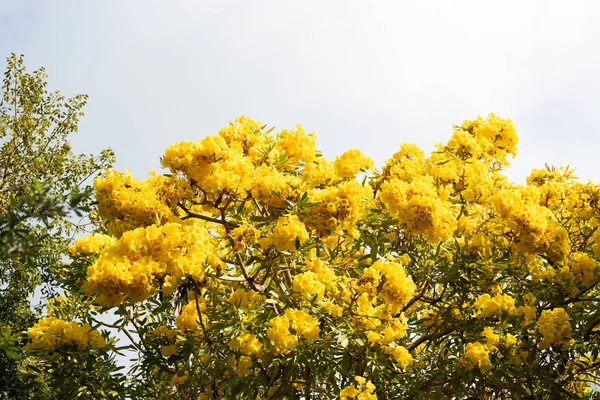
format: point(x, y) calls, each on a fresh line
point(256, 268)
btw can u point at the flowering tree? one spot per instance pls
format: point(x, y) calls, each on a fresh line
point(42, 184)
point(258, 269)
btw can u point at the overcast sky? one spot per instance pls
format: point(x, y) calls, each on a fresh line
point(364, 74)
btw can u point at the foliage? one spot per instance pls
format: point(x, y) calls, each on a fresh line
point(258, 269)
point(41, 184)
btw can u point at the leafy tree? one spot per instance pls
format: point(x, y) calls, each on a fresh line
point(42, 189)
point(258, 269)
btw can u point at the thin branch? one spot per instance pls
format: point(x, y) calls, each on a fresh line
point(191, 214)
point(247, 277)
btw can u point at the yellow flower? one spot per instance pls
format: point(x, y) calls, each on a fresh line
point(364, 391)
point(351, 162)
point(243, 366)
point(188, 319)
point(247, 343)
point(49, 333)
point(398, 288)
point(476, 356)
point(245, 299)
point(287, 230)
point(492, 339)
point(401, 355)
point(91, 244)
point(555, 327)
point(489, 306)
point(419, 205)
point(279, 333)
point(309, 285)
point(168, 351)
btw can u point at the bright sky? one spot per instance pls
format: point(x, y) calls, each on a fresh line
point(364, 74)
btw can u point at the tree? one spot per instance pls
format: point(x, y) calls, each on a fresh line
point(258, 269)
point(42, 184)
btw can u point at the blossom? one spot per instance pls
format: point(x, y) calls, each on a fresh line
point(287, 230)
point(49, 333)
point(554, 326)
point(476, 356)
point(351, 162)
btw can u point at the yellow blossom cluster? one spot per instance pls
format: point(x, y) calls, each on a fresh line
point(398, 288)
point(245, 299)
point(489, 305)
point(401, 356)
point(364, 390)
point(476, 356)
point(247, 343)
point(304, 324)
point(189, 320)
point(127, 203)
point(555, 327)
point(338, 207)
point(49, 333)
point(496, 137)
point(91, 244)
point(287, 231)
point(420, 206)
point(583, 268)
point(130, 266)
point(351, 162)
point(244, 236)
point(538, 231)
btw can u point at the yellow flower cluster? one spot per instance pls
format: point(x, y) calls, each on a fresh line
point(401, 356)
point(362, 391)
point(247, 343)
point(351, 162)
point(49, 333)
point(496, 136)
point(398, 288)
point(287, 230)
point(243, 159)
point(538, 231)
point(584, 268)
point(492, 339)
point(555, 327)
point(489, 306)
point(126, 203)
point(91, 244)
point(419, 205)
point(305, 325)
point(244, 236)
point(309, 285)
point(215, 165)
point(297, 145)
point(189, 321)
point(339, 208)
point(242, 368)
point(272, 186)
point(245, 299)
point(130, 266)
point(476, 356)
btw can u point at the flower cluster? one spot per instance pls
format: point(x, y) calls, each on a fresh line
point(555, 327)
point(259, 269)
point(362, 391)
point(50, 333)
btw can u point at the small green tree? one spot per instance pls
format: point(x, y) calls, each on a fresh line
point(42, 187)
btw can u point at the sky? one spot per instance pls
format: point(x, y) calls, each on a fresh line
point(361, 74)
